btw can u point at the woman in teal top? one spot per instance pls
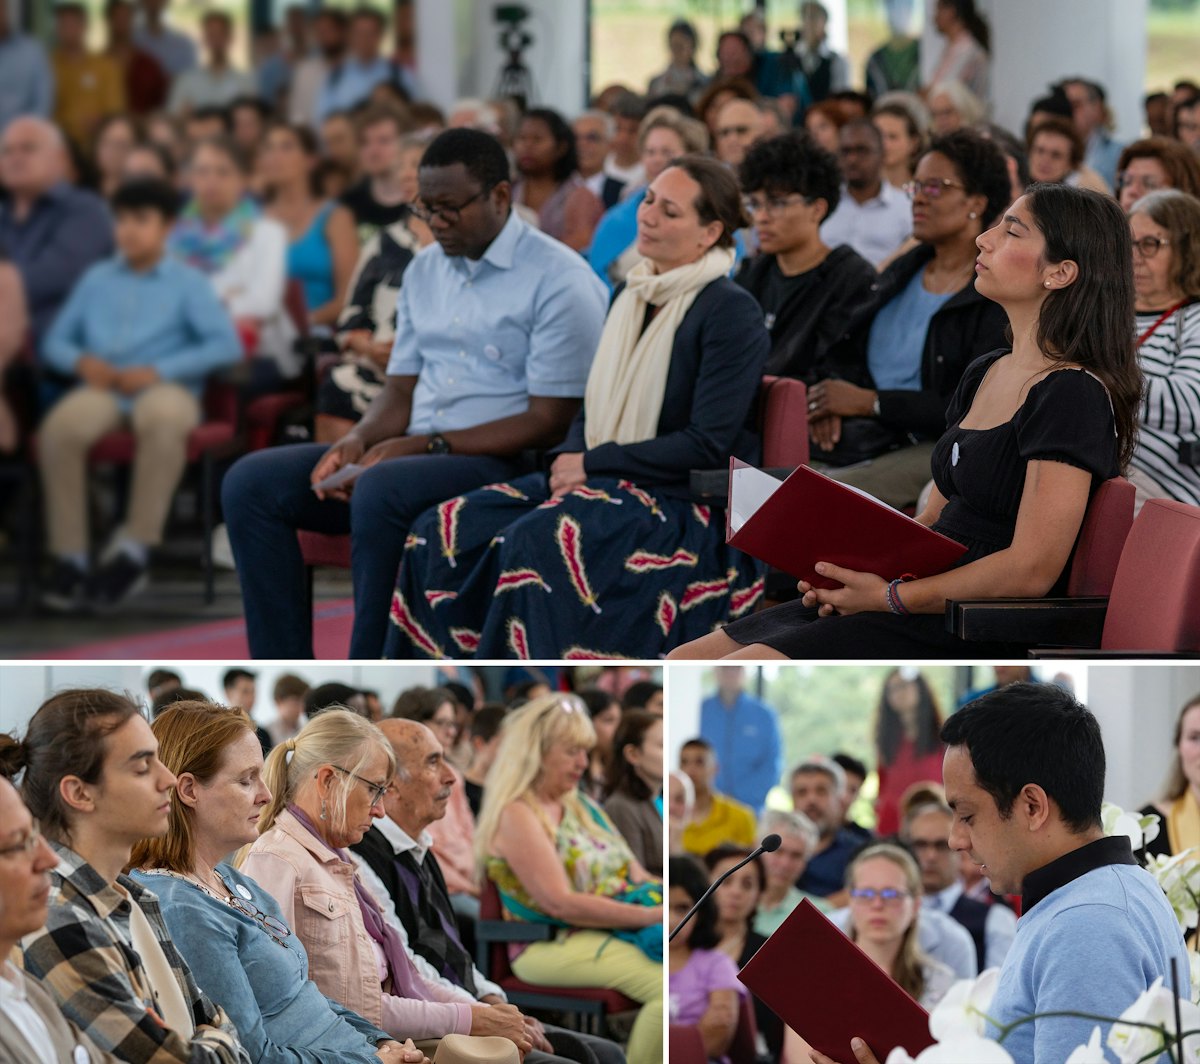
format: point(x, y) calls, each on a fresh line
point(322, 243)
point(229, 929)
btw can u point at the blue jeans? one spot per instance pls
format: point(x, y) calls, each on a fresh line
point(266, 497)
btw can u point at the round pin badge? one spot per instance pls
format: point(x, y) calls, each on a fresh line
point(954, 454)
point(244, 892)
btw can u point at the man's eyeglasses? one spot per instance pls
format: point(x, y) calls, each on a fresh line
point(1142, 181)
point(378, 790)
point(888, 896)
point(931, 188)
point(1149, 246)
point(772, 205)
point(273, 926)
point(26, 847)
point(734, 131)
point(937, 845)
point(449, 215)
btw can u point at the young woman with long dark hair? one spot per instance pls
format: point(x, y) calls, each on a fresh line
point(1033, 431)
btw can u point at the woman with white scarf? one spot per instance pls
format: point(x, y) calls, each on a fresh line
point(608, 556)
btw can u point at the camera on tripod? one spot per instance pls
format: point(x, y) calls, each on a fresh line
point(511, 18)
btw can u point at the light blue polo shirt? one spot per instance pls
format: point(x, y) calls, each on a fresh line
point(483, 336)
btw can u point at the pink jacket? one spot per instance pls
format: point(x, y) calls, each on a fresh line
point(315, 890)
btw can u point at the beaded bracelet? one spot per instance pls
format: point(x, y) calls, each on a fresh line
point(893, 598)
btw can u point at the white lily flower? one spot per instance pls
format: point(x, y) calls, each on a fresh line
point(964, 1007)
point(899, 1055)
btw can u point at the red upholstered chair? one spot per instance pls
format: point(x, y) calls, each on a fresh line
point(263, 414)
point(687, 1047)
point(1152, 608)
point(214, 440)
point(1154, 605)
point(1101, 536)
point(784, 420)
point(492, 936)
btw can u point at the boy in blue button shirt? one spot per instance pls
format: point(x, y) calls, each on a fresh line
point(139, 333)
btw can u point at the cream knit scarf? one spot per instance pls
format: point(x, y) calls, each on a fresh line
point(625, 387)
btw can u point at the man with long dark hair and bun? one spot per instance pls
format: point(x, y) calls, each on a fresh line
point(93, 781)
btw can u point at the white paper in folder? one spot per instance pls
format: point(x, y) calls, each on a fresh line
point(749, 488)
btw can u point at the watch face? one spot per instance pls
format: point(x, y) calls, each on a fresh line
point(437, 444)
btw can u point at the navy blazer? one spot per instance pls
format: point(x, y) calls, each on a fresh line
point(708, 407)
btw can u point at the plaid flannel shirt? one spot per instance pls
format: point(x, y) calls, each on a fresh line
point(84, 958)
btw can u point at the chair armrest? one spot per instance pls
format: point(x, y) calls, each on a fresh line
point(712, 485)
point(1066, 622)
point(1105, 655)
point(512, 931)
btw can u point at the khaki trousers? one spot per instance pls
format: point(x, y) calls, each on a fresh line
point(895, 478)
point(161, 418)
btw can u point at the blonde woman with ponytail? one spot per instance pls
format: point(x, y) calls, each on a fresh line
point(327, 785)
point(556, 858)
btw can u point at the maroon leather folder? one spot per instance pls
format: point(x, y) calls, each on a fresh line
point(809, 518)
point(828, 991)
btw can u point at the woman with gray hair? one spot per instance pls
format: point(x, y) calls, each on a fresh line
point(1165, 226)
point(327, 785)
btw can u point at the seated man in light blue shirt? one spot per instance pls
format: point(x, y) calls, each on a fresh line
point(495, 329)
point(139, 333)
point(351, 81)
point(26, 81)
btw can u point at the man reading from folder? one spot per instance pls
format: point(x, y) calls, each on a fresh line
point(1024, 774)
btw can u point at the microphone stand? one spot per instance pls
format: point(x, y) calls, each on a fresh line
point(768, 845)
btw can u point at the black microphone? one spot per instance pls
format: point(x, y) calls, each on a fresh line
point(768, 845)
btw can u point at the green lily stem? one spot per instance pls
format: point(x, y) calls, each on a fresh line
point(1171, 1042)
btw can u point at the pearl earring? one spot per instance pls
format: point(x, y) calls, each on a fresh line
point(972, 215)
point(1047, 284)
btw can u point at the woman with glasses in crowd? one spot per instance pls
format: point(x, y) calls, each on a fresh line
point(907, 345)
point(1166, 281)
point(885, 905)
point(807, 291)
point(230, 931)
point(1034, 429)
point(327, 785)
point(1156, 163)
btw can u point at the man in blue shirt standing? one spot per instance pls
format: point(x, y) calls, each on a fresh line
point(744, 733)
point(362, 68)
point(1024, 774)
point(496, 326)
point(139, 335)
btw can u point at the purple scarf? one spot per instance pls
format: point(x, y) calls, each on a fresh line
point(406, 980)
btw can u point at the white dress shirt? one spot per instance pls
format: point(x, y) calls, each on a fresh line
point(999, 928)
point(875, 229)
point(15, 1005)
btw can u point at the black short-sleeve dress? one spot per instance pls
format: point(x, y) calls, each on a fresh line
point(1066, 417)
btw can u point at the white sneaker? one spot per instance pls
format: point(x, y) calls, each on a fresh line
point(221, 552)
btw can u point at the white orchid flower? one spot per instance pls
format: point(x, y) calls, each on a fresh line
point(965, 1048)
point(964, 1008)
point(1092, 1053)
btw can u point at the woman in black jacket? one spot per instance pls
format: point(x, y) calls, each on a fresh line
point(608, 556)
point(904, 352)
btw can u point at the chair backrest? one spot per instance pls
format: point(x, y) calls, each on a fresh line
point(1101, 536)
point(490, 909)
point(784, 406)
point(686, 1045)
point(1154, 603)
point(744, 1047)
point(296, 306)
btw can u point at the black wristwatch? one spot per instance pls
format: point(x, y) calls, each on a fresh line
point(438, 444)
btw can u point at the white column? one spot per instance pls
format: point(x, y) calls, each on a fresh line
point(1035, 43)
point(684, 694)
